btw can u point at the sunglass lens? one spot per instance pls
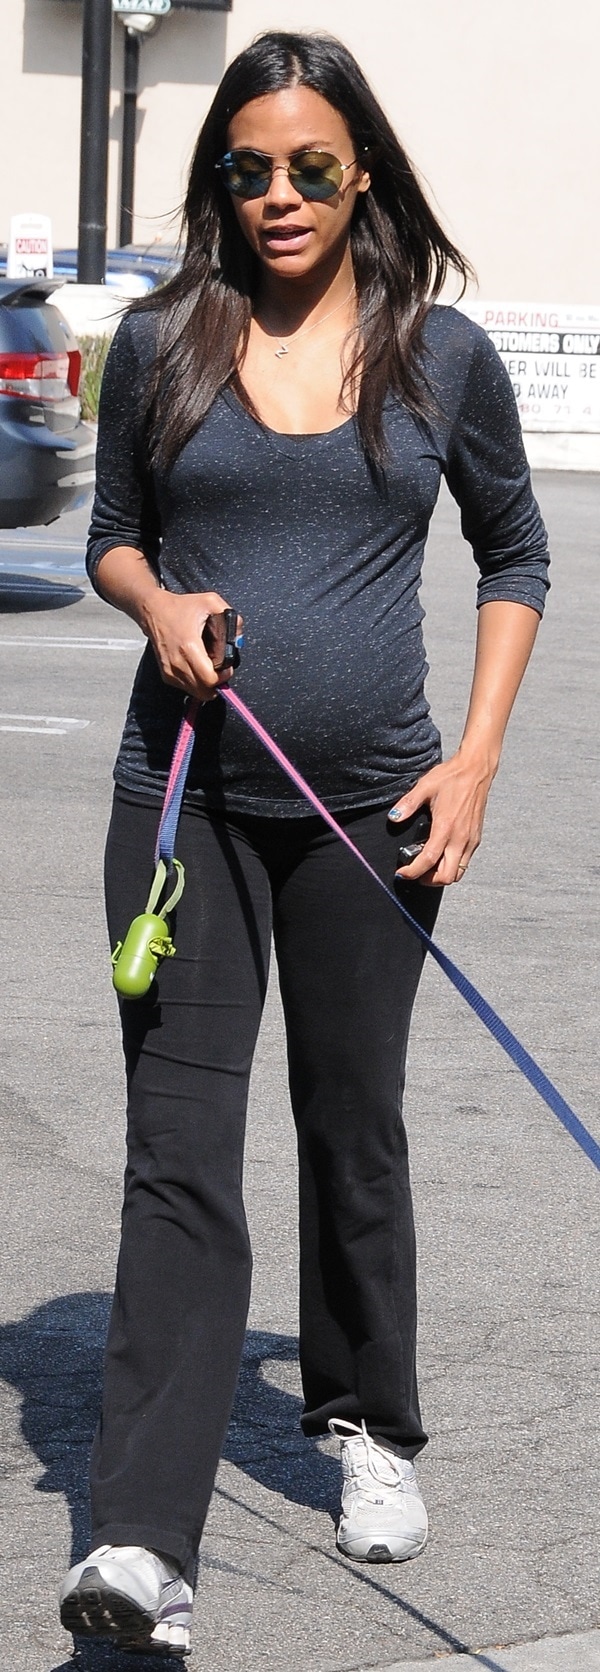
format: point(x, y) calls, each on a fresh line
point(316, 175)
point(245, 173)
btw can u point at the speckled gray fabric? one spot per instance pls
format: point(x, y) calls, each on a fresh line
point(323, 565)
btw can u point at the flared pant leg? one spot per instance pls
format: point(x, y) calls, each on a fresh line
point(179, 1313)
point(349, 968)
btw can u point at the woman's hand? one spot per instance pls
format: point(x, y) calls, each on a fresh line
point(456, 792)
point(174, 623)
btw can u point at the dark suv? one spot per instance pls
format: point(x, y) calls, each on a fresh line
point(46, 452)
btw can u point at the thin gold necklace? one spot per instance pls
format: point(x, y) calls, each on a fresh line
point(283, 345)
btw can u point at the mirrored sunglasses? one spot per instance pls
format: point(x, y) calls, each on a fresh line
point(316, 175)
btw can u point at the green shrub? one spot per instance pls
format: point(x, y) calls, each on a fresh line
point(93, 355)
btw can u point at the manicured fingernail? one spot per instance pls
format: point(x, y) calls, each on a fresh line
point(395, 813)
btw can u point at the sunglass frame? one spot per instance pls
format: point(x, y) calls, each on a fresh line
point(227, 163)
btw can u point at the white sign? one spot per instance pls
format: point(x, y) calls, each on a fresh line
point(552, 356)
point(30, 247)
point(142, 8)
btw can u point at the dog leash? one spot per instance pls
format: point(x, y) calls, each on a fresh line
point(485, 1011)
point(164, 857)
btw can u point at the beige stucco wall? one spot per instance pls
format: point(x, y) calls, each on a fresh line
point(498, 105)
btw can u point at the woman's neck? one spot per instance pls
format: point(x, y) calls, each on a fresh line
point(286, 304)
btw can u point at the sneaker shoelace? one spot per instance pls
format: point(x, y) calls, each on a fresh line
point(372, 1465)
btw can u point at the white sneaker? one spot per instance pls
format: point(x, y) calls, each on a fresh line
point(383, 1516)
point(132, 1596)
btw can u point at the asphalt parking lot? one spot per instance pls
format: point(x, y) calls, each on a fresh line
point(507, 1206)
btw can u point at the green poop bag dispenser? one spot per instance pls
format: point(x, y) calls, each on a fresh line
point(136, 959)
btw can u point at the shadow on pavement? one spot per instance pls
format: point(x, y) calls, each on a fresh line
point(53, 1358)
point(99, 1657)
point(31, 592)
point(264, 1438)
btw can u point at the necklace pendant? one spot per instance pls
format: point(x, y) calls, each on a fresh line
point(281, 350)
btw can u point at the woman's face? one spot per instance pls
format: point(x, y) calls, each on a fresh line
point(291, 235)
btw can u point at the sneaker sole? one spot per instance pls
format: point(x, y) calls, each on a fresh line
point(93, 1609)
point(367, 1550)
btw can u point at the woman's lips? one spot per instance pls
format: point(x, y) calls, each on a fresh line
point(288, 238)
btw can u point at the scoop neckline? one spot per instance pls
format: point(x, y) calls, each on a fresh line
point(283, 438)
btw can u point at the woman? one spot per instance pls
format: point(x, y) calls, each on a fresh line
point(274, 426)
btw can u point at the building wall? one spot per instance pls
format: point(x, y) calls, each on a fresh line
point(497, 105)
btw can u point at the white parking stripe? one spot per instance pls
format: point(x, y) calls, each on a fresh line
point(45, 731)
point(65, 643)
point(14, 544)
point(48, 724)
point(17, 569)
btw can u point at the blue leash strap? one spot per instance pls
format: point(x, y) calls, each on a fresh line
point(182, 754)
point(485, 1011)
point(509, 1042)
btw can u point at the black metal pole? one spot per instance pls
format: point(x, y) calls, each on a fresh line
point(130, 93)
point(95, 110)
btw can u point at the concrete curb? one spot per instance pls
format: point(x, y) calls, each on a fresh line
point(579, 1653)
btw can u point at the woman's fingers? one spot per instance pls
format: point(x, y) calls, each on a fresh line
point(457, 799)
point(178, 622)
point(445, 856)
point(187, 665)
point(449, 869)
point(440, 862)
point(183, 672)
point(410, 803)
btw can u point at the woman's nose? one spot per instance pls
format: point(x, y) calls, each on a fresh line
point(281, 191)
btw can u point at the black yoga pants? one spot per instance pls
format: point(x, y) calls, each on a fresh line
point(348, 970)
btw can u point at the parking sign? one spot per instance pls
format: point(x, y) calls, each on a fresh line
point(141, 8)
point(30, 247)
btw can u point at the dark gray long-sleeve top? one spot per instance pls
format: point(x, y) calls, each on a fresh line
point(324, 566)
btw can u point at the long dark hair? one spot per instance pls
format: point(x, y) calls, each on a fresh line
point(400, 254)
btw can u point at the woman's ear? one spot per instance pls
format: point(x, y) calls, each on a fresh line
point(365, 178)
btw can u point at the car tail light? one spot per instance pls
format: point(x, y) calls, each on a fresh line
point(74, 370)
point(38, 377)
